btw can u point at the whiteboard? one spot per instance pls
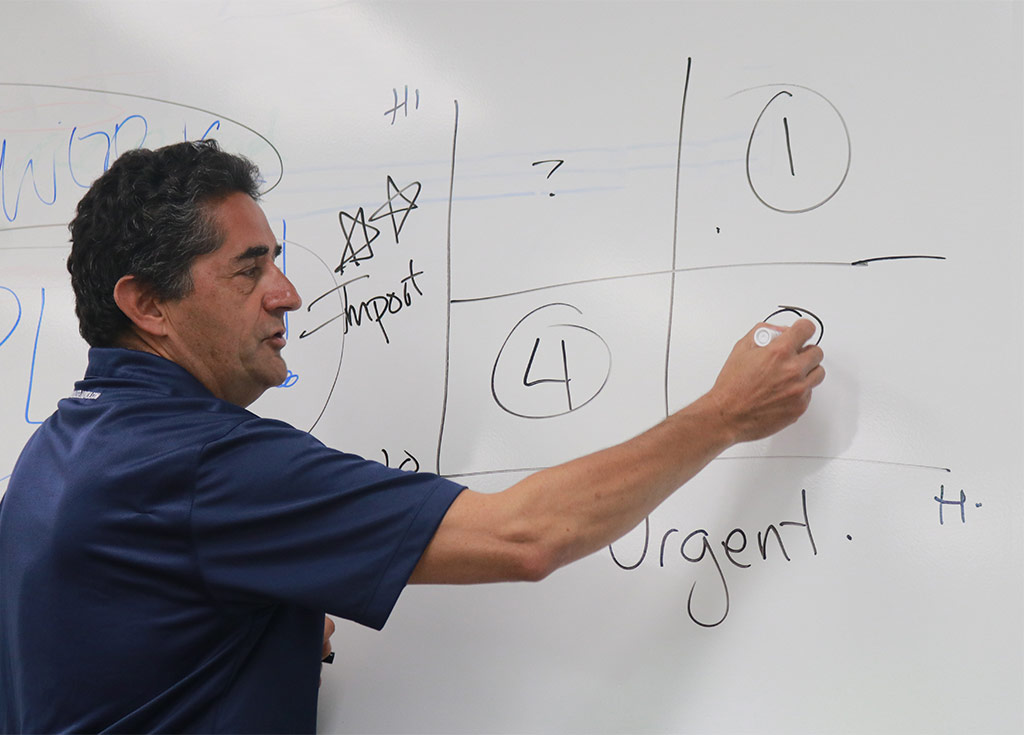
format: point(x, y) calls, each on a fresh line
point(464, 188)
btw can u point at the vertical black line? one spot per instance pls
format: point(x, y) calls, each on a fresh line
point(448, 292)
point(675, 232)
point(529, 364)
point(789, 148)
point(565, 372)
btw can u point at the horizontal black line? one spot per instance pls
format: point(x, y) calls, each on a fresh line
point(32, 227)
point(63, 225)
point(804, 457)
point(857, 263)
point(898, 257)
point(911, 465)
point(5, 248)
point(483, 473)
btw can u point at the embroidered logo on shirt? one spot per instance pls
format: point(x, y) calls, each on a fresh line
point(87, 394)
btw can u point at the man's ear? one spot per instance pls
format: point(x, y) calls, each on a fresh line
point(138, 302)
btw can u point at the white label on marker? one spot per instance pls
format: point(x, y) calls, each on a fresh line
point(765, 335)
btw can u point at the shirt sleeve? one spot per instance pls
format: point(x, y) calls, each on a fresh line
point(278, 516)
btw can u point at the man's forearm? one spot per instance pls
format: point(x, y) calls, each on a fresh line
point(565, 512)
point(587, 503)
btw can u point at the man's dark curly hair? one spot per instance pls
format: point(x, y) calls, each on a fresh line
point(149, 216)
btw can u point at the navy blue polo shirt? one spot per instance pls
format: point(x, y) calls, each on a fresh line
point(166, 558)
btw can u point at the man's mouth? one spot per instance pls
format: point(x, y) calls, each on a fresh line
point(277, 339)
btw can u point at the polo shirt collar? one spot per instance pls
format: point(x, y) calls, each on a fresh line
point(117, 367)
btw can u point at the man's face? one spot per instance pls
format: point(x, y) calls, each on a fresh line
point(229, 332)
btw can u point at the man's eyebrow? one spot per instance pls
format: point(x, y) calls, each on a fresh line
point(257, 251)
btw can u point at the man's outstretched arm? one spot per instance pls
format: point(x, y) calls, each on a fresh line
point(563, 513)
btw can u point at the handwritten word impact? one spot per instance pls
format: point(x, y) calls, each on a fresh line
point(374, 309)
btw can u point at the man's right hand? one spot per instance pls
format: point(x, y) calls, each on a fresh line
point(761, 390)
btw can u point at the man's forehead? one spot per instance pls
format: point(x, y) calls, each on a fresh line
point(244, 228)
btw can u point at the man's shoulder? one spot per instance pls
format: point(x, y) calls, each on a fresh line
point(142, 393)
point(198, 422)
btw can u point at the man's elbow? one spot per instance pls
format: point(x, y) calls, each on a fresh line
point(534, 562)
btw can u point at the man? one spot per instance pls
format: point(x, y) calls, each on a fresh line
point(167, 557)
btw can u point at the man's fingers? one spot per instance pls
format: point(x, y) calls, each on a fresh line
point(816, 376)
point(798, 334)
point(811, 355)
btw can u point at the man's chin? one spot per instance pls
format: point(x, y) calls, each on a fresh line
point(279, 373)
point(273, 374)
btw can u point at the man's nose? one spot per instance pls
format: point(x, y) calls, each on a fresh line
point(282, 294)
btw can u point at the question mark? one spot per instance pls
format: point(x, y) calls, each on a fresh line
point(557, 161)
